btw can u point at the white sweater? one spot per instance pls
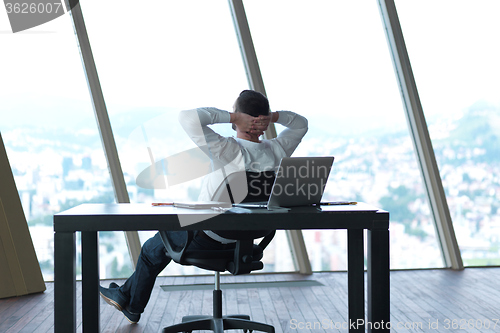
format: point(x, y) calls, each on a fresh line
point(237, 154)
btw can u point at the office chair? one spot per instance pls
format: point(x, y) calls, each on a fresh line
point(244, 258)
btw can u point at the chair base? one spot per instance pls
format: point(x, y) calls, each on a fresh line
point(218, 325)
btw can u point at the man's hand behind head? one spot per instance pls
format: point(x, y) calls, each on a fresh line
point(248, 124)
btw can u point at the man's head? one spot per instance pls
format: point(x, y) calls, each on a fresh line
point(253, 103)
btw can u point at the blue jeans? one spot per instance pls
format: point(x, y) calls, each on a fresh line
point(152, 260)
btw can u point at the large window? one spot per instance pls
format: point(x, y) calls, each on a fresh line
point(454, 55)
point(329, 61)
point(49, 129)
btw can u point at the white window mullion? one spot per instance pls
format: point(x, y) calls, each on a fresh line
point(420, 135)
point(104, 125)
point(255, 81)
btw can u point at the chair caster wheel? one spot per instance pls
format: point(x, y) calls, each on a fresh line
point(247, 331)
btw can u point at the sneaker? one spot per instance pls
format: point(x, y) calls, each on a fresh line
point(113, 297)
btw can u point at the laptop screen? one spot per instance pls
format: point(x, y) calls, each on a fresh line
point(300, 181)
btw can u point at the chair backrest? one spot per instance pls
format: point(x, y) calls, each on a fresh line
point(245, 186)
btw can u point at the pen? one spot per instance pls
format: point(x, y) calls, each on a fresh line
point(334, 203)
point(162, 203)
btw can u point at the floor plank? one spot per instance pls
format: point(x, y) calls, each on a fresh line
point(436, 300)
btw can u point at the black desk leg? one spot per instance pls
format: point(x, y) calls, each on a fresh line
point(90, 282)
point(64, 282)
point(378, 281)
point(356, 280)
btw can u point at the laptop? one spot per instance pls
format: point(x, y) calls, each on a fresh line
point(300, 181)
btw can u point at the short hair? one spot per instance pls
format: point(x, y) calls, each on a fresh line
point(253, 103)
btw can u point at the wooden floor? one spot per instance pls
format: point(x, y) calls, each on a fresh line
point(421, 301)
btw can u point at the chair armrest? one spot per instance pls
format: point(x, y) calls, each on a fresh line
point(267, 239)
point(243, 261)
point(177, 254)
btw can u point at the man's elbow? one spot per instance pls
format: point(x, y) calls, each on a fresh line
point(188, 117)
point(306, 124)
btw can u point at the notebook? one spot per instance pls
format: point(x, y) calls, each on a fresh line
point(300, 181)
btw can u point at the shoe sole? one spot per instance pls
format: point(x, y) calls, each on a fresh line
point(130, 321)
point(113, 303)
point(118, 307)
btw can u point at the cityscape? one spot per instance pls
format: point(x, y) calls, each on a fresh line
point(56, 170)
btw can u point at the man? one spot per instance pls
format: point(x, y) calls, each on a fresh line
point(250, 119)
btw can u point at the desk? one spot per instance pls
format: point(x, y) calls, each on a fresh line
point(88, 219)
